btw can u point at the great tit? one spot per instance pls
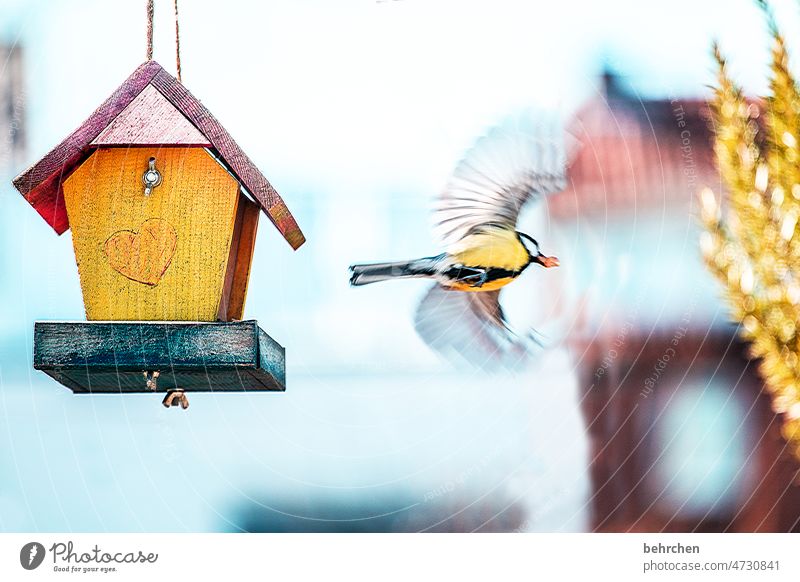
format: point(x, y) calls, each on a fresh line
point(476, 221)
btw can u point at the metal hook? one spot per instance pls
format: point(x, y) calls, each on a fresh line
point(151, 177)
point(151, 380)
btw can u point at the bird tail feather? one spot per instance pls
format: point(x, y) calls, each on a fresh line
point(364, 274)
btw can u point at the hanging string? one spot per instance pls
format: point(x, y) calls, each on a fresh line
point(177, 44)
point(150, 30)
point(149, 54)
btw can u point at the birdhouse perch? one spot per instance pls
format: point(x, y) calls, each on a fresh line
point(163, 207)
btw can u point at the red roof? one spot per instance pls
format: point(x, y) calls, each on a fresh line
point(41, 185)
point(636, 154)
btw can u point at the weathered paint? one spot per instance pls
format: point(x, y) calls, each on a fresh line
point(123, 239)
point(42, 183)
point(107, 357)
point(150, 120)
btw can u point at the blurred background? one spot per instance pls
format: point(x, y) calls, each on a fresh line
point(644, 414)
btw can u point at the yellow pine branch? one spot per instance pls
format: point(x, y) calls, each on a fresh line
point(754, 250)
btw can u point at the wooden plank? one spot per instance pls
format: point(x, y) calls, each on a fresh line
point(143, 345)
point(244, 260)
point(232, 155)
point(271, 357)
point(92, 381)
point(240, 260)
point(159, 257)
point(110, 357)
point(224, 300)
point(150, 120)
point(41, 183)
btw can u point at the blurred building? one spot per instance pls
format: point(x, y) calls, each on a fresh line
point(12, 101)
point(12, 151)
point(682, 436)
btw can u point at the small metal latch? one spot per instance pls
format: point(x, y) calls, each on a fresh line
point(176, 397)
point(151, 177)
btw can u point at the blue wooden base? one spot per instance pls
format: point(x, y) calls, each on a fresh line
point(113, 357)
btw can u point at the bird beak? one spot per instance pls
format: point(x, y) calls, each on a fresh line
point(548, 262)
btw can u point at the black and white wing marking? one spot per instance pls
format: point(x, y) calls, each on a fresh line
point(515, 162)
point(469, 326)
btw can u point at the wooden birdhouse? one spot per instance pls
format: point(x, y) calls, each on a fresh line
point(163, 207)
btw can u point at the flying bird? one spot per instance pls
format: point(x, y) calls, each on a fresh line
point(476, 219)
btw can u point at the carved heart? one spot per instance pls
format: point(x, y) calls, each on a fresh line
point(143, 255)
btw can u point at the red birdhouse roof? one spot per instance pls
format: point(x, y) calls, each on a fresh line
point(120, 121)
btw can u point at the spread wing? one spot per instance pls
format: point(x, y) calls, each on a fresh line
point(486, 306)
point(515, 162)
point(468, 326)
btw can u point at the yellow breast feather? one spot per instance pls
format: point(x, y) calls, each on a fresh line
point(493, 247)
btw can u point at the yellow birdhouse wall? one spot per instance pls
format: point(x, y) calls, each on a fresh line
point(158, 257)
